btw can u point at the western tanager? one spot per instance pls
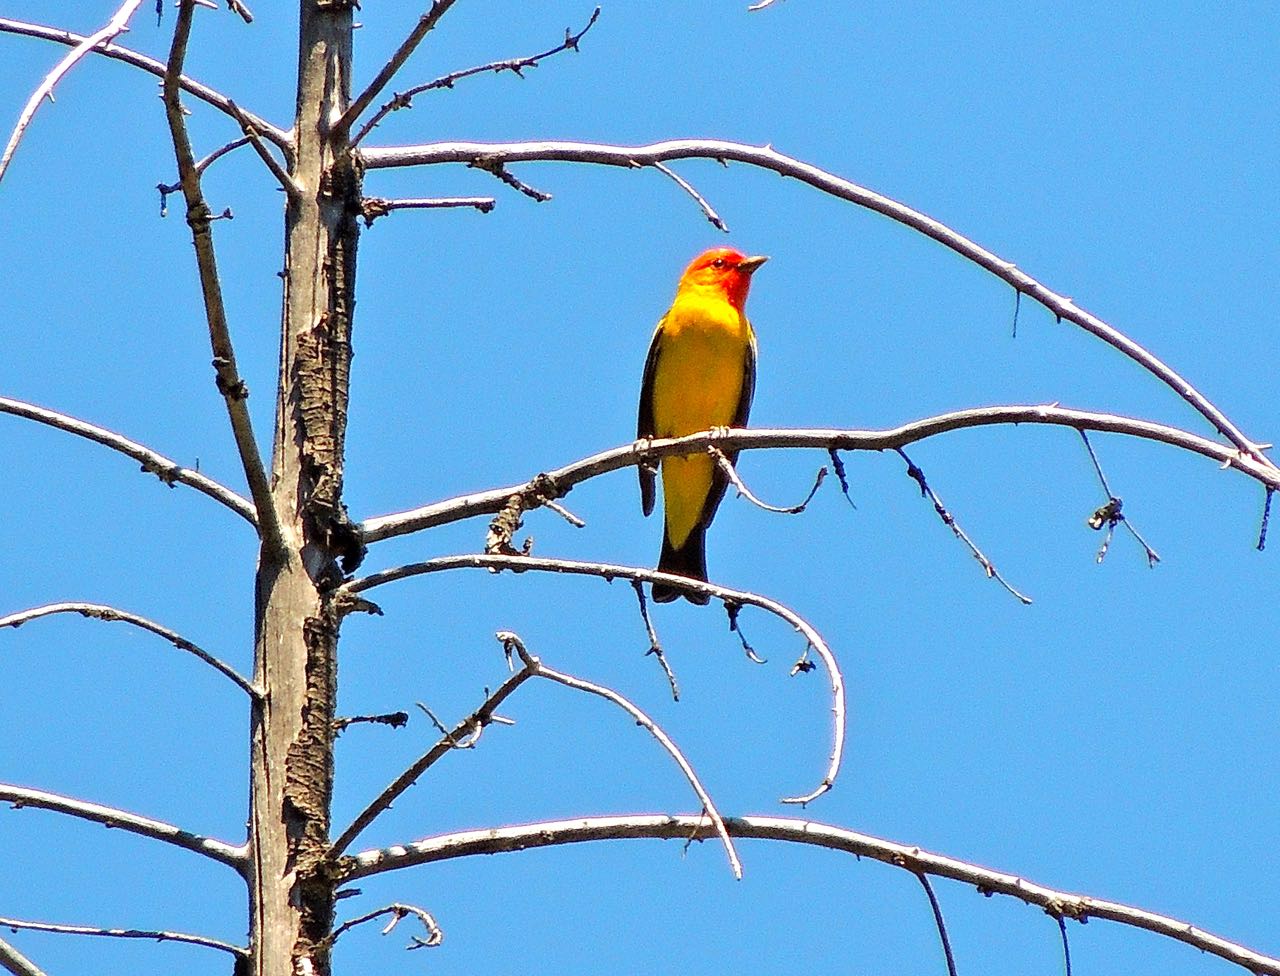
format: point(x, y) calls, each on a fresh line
point(700, 373)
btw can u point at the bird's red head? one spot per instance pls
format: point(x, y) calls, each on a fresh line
point(723, 270)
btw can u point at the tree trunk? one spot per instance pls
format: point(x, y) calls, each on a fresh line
point(291, 893)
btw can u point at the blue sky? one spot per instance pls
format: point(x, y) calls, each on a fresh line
point(1116, 738)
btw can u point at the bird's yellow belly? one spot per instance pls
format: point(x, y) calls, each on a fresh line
point(697, 385)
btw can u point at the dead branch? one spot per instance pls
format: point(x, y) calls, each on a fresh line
point(1060, 904)
point(151, 66)
point(168, 471)
point(735, 479)
point(149, 934)
point(397, 911)
point(396, 720)
point(949, 520)
point(21, 796)
point(449, 741)
point(532, 663)
point(514, 65)
point(940, 923)
point(655, 646)
point(287, 182)
point(491, 501)
point(374, 207)
point(426, 23)
point(766, 157)
point(610, 572)
point(98, 611)
point(16, 963)
point(230, 385)
point(1110, 513)
point(116, 26)
point(698, 198)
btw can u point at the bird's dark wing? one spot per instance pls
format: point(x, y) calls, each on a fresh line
point(644, 422)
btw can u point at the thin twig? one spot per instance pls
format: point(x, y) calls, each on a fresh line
point(397, 720)
point(492, 500)
point(1266, 519)
point(837, 465)
point(117, 25)
point(609, 571)
point(760, 5)
point(371, 208)
point(511, 641)
point(655, 647)
point(98, 611)
point(732, 611)
point(151, 66)
point(238, 7)
point(149, 934)
point(698, 198)
point(940, 922)
point(287, 182)
point(397, 911)
point(731, 473)
point(477, 720)
point(766, 157)
point(168, 471)
point(22, 796)
point(514, 65)
point(498, 170)
point(426, 23)
point(903, 856)
point(1066, 945)
point(167, 188)
point(1111, 513)
point(16, 963)
point(230, 385)
point(949, 520)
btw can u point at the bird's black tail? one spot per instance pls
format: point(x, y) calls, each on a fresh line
point(689, 561)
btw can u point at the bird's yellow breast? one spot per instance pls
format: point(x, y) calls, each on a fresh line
point(697, 384)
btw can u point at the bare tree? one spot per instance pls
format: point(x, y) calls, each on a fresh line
point(314, 560)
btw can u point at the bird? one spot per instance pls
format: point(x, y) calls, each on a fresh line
point(700, 374)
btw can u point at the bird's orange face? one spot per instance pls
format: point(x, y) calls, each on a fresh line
point(723, 270)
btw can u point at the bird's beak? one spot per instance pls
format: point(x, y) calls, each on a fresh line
point(749, 265)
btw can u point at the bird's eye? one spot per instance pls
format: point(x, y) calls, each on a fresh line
point(718, 263)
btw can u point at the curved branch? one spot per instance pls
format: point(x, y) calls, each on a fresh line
point(170, 472)
point(766, 157)
point(151, 935)
point(117, 25)
point(21, 796)
point(13, 961)
point(98, 611)
point(610, 572)
point(563, 479)
point(1059, 904)
point(151, 66)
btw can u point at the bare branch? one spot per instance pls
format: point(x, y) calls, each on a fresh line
point(287, 182)
point(426, 23)
point(655, 646)
point(496, 169)
point(374, 207)
point(397, 911)
point(698, 198)
point(230, 385)
point(1110, 513)
point(914, 859)
point(609, 572)
point(760, 5)
point(397, 720)
point(949, 520)
point(116, 26)
point(534, 664)
point(491, 501)
point(170, 472)
point(151, 66)
point(97, 611)
point(766, 157)
point(16, 963)
point(514, 65)
point(21, 796)
point(149, 934)
point(940, 923)
point(449, 741)
point(731, 473)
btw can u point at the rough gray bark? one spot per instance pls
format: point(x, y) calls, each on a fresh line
point(291, 893)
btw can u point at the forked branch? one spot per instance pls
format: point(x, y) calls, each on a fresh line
point(563, 479)
point(1059, 904)
point(21, 796)
point(766, 157)
point(610, 572)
